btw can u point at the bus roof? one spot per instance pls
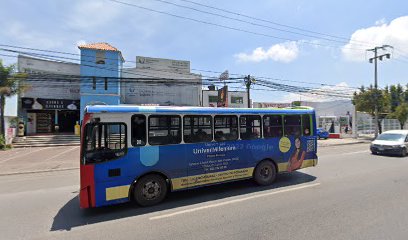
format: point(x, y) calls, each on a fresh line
point(194, 110)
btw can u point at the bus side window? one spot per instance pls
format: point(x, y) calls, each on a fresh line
point(272, 126)
point(306, 125)
point(292, 125)
point(225, 128)
point(138, 130)
point(164, 129)
point(197, 129)
point(250, 127)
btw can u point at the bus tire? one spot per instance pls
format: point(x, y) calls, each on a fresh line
point(150, 190)
point(265, 173)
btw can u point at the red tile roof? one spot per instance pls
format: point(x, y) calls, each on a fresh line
point(99, 46)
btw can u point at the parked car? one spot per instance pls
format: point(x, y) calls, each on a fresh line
point(391, 142)
point(321, 133)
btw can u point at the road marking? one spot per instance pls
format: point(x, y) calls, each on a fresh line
point(232, 201)
point(37, 150)
point(61, 153)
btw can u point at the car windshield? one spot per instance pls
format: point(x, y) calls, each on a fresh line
point(391, 137)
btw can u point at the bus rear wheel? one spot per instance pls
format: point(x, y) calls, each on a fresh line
point(150, 190)
point(265, 173)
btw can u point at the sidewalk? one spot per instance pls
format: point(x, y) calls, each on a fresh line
point(341, 141)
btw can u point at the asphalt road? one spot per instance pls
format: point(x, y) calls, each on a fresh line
point(350, 195)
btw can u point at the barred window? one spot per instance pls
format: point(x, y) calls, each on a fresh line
point(250, 127)
point(272, 126)
point(225, 128)
point(197, 129)
point(164, 129)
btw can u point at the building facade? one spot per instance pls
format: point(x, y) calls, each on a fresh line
point(158, 81)
point(50, 104)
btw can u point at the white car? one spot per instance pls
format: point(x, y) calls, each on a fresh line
point(391, 142)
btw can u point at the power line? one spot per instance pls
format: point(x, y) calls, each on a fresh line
point(227, 27)
point(251, 23)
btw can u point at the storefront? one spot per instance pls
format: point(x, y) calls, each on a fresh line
point(50, 115)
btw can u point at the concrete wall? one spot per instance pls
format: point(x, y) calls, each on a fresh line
point(166, 88)
point(49, 88)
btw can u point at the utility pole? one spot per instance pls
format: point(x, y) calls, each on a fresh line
point(248, 82)
point(376, 56)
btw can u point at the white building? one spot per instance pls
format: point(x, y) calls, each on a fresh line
point(48, 106)
point(236, 99)
point(161, 81)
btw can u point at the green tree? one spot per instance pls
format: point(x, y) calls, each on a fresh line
point(401, 113)
point(396, 96)
point(366, 100)
point(10, 84)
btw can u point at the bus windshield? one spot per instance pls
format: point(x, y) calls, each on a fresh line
point(104, 141)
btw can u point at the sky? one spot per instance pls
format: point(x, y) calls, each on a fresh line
point(296, 56)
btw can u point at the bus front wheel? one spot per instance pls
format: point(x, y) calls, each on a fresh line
point(150, 190)
point(265, 173)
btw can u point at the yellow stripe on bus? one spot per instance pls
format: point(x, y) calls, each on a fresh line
point(114, 193)
point(208, 178)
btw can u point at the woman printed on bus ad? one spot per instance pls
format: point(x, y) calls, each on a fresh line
point(296, 160)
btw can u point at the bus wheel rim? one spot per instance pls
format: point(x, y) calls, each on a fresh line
point(265, 172)
point(151, 190)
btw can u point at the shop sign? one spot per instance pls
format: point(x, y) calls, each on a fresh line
point(49, 104)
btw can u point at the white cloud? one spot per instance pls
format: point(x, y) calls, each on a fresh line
point(395, 34)
point(342, 89)
point(91, 14)
point(283, 52)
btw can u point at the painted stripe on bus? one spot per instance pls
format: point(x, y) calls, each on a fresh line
point(208, 178)
point(119, 192)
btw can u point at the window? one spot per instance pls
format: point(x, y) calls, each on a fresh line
point(138, 130)
point(212, 99)
point(100, 57)
point(197, 129)
point(250, 127)
point(225, 128)
point(104, 142)
point(292, 125)
point(307, 130)
point(164, 130)
point(272, 126)
point(237, 99)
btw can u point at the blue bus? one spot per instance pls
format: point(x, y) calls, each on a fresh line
point(140, 153)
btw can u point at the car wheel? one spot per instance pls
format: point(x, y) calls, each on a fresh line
point(265, 173)
point(150, 190)
point(374, 153)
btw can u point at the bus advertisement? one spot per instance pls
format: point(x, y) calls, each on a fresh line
point(140, 153)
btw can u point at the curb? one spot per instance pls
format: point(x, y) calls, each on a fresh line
point(39, 171)
point(45, 145)
point(340, 144)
